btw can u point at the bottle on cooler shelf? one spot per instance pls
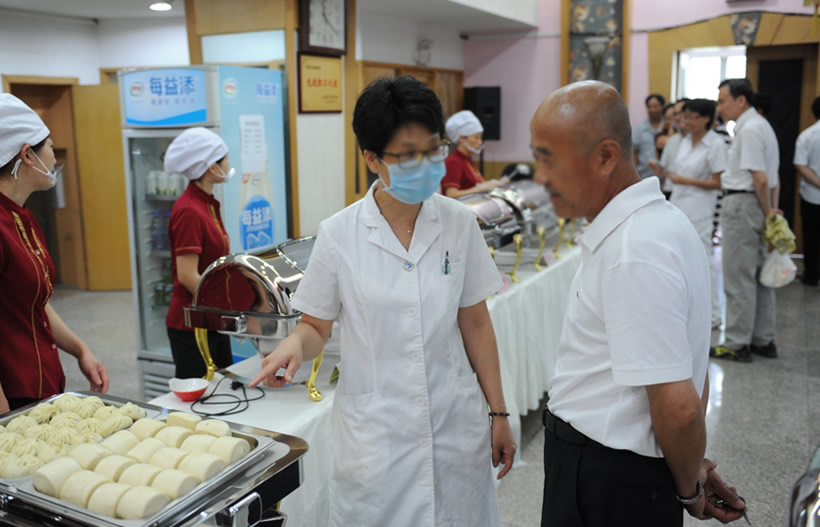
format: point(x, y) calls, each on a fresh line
point(256, 222)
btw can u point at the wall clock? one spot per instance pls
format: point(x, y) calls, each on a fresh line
point(323, 26)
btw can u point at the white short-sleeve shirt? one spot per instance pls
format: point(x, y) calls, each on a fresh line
point(699, 161)
point(807, 153)
point(638, 314)
point(755, 148)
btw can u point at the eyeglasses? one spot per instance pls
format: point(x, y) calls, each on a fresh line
point(413, 158)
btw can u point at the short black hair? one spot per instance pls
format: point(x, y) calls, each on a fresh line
point(5, 170)
point(683, 100)
point(815, 107)
point(388, 104)
point(660, 98)
point(702, 107)
point(668, 107)
point(738, 87)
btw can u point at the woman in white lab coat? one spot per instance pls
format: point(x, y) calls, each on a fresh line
point(406, 273)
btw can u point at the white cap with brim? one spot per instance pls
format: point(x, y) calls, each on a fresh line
point(19, 125)
point(193, 151)
point(462, 124)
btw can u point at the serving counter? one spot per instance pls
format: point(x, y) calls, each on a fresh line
point(527, 317)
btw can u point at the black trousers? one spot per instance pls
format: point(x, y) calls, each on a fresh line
point(188, 360)
point(17, 402)
point(590, 485)
point(810, 217)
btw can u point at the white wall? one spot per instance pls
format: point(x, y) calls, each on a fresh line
point(48, 46)
point(142, 42)
point(393, 40)
point(321, 157)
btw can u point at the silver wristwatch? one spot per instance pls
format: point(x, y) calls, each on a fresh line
point(694, 499)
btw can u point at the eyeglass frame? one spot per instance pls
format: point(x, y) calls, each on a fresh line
point(418, 155)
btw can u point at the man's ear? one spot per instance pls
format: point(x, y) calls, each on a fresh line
point(607, 154)
point(372, 160)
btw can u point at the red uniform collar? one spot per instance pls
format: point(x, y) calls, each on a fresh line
point(195, 192)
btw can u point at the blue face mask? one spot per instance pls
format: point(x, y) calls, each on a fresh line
point(414, 185)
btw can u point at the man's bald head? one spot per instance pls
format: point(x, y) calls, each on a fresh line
point(589, 112)
point(582, 144)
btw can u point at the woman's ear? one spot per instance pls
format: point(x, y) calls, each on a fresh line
point(372, 160)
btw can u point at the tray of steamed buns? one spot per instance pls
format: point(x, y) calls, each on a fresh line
point(107, 462)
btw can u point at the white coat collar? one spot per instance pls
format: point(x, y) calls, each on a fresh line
point(428, 228)
point(619, 208)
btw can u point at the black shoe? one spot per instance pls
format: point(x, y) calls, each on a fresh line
point(722, 352)
point(810, 283)
point(769, 350)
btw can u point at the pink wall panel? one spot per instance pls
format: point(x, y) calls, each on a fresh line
point(527, 70)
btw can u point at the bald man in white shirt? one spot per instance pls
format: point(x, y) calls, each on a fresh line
point(807, 162)
point(624, 426)
point(749, 184)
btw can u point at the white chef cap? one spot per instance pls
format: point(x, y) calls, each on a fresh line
point(462, 124)
point(193, 151)
point(19, 125)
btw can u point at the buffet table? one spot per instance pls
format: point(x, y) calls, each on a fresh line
point(527, 317)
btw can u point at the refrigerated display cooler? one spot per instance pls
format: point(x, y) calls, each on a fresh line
point(246, 107)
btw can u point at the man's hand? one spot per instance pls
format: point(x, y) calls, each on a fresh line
point(722, 501)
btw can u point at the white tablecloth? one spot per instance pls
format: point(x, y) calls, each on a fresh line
point(527, 317)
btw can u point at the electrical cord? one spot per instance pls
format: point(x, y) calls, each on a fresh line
point(240, 404)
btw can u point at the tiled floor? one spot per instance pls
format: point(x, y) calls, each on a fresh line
point(763, 420)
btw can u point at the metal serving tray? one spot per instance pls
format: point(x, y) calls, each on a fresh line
point(197, 499)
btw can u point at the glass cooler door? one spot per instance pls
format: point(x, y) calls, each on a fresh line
point(152, 193)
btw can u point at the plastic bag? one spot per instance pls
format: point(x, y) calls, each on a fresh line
point(778, 270)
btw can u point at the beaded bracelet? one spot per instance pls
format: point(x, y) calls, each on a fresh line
point(499, 414)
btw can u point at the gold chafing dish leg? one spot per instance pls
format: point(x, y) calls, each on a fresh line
point(542, 236)
point(492, 251)
point(562, 224)
point(313, 392)
point(201, 336)
point(570, 238)
point(519, 247)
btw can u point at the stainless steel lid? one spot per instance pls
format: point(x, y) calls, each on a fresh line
point(246, 296)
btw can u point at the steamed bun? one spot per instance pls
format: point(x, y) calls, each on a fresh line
point(43, 412)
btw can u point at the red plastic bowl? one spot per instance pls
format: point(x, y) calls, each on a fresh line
point(188, 389)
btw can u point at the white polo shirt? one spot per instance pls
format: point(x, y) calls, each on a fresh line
point(638, 314)
point(755, 148)
point(668, 156)
point(807, 153)
point(699, 161)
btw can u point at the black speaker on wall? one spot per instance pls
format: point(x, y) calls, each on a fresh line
point(485, 103)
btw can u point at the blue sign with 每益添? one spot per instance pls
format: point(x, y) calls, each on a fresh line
point(165, 97)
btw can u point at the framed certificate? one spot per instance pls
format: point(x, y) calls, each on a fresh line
point(320, 84)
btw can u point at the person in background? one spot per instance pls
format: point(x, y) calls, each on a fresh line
point(462, 177)
point(666, 163)
point(625, 430)
point(667, 129)
point(807, 162)
point(749, 184)
point(197, 238)
point(406, 272)
point(31, 329)
point(643, 136)
point(702, 158)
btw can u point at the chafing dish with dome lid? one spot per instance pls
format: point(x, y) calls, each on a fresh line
point(531, 204)
point(249, 296)
point(495, 217)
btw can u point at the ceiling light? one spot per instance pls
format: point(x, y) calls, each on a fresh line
point(160, 6)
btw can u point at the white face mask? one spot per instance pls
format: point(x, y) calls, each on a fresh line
point(225, 177)
point(52, 176)
point(474, 150)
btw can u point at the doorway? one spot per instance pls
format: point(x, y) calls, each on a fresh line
point(787, 77)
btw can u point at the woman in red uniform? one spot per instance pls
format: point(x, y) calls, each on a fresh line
point(462, 177)
point(30, 329)
point(197, 238)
